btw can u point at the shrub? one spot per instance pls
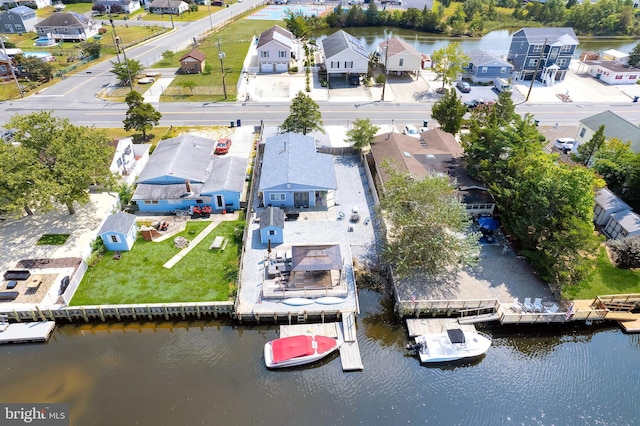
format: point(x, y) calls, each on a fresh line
point(380, 78)
point(625, 253)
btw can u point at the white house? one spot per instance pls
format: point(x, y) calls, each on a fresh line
point(129, 159)
point(399, 56)
point(275, 50)
point(38, 4)
point(612, 71)
point(67, 26)
point(344, 54)
point(614, 127)
point(607, 203)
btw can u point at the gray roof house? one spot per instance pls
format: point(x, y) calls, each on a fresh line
point(119, 231)
point(275, 49)
point(607, 203)
point(614, 127)
point(485, 66)
point(127, 6)
point(67, 26)
point(344, 54)
point(552, 47)
point(184, 172)
point(294, 174)
point(21, 19)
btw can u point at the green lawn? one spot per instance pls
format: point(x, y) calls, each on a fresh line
point(606, 279)
point(52, 239)
point(138, 277)
point(234, 42)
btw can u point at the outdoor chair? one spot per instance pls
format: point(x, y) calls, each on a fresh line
point(553, 309)
point(528, 306)
point(537, 304)
point(517, 306)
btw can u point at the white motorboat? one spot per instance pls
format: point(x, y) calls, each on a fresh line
point(298, 350)
point(452, 345)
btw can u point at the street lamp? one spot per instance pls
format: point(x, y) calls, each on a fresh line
point(221, 55)
point(124, 55)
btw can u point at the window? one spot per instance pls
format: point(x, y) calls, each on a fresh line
point(348, 64)
point(151, 201)
point(566, 48)
point(200, 201)
point(536, 48)
point(401, 62)
point(633, 77)
point(583, 131)
point(503, 70)
point(521, 45)
point(618, 77)
point(18, 27)
point(278, 196)
point(282, 54)
point(533, 62)
point(554, 53)
point(272, 232)
point(484, 69)
point(335, 64)
point(114, 239)
point(11, 17)
point(3, 68)
point(562, 62)
point(264, 54)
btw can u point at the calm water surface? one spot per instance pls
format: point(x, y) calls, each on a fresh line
point(212, 373)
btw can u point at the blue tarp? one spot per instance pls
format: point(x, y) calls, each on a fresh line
point(488, 223)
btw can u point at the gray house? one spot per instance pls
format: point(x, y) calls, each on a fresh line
point(275, 47)
point(294, 174)
point(607, 203)
point(484, 67)
point(67, 26)
point(546, 52)
point(614, 127)
point(21, 19)
point(272, 225)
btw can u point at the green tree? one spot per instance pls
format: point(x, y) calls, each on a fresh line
point(617, 164)
point(63, 160)
point(587, 150)
point(122, 72)
point(448, 62)
point(188, 84)
point(35, 68)
point(429, 226)
point(140, 116)
point(168, 55)
point(362, 133)
point(23, 187)
point(448, 111)
point(503, 111)
point(304, 116)
point(297, 24)
point(634, 56)
point(91, 48)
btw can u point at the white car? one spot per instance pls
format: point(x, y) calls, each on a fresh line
point(410, 130)
point(564, 144)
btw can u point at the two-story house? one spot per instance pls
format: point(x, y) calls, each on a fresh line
point(344, 55)
point(35, 4)
point(399, 56)
point(19, 20)
point(543, 52)
point(275, 50)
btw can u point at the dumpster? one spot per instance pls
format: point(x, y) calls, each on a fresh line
point(238, 122)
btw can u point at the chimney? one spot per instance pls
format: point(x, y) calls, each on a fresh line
point(188, 185)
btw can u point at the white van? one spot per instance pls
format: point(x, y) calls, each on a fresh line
point(502, 85)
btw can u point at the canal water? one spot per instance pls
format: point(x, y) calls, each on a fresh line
point(496, 41)
point(212, 373)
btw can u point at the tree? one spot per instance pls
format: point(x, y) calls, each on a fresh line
point(122, 72)
point(188, 84)
point(304, 116)
point(61, 159)
point(587, 150)
point(91, 48)
point(503, 111)
point(34, 68)
point(448, 62)
point(448, 111)
point(429, 226)
point(140, 116)
point(362, 133)
point(617, 164)
point(625, 253)
point(634, 56)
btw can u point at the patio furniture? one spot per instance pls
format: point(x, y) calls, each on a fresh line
point(528, 306)
point(553, 309)
point(537, 304)
point(517, 306)
point(9, 295)
point(11, 285)
point(19, 275)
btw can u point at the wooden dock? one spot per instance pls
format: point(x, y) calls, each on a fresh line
point(418, 327)
point(26, 332)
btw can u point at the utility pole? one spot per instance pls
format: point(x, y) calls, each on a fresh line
point(209, 9)
point(13, 74)
point(113, 36)
point(386, 56)
point(533, 79)
point(221, 55)
point(124, 55)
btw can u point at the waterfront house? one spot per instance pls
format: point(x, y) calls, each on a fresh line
point(118, 232)
point(344, 55)
point(192, 62)
point(399, 56)
point(485, 67)
point(32, 4)
point(184, 172)
point(129, 159)
point(438, 153)
point(117, 6)
point(294, 174)
point(607, 203)
point(547, 52)
point(67, 26)
point(169, 7)
point(612, 72)
point(275, 49)
point(614, 127)
point(19, 20)
point(622, 224)
point(272, 225)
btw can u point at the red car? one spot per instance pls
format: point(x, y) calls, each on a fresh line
point(223, 146)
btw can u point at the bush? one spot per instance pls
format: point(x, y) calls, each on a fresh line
point(293, 69)
point(380, 78)
point(625, 253)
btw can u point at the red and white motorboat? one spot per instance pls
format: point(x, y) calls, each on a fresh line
point(298, 350)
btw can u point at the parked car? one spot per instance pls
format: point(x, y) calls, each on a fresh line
point(474, 103)
point(354, 80)
point(463, 86)
point(223, 146)
point(564, 144)
point(410, 130)
point(502, 85)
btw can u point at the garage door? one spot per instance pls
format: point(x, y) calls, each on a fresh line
point(282, 68)
point(266, 67)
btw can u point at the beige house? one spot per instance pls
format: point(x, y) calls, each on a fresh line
point(192, 62)
point(398, 56)
point(275, 50)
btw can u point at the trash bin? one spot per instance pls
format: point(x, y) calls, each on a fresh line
point(536, 121)
point(238, 122)
point(232, 124)
point(635, 98)
point(425, 123)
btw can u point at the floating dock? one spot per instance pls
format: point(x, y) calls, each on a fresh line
point(420, 326)
point(26, 332)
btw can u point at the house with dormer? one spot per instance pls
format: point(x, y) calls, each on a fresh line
point(545, 52)
point(19, 20)
point(185, 172)
point(275, 50)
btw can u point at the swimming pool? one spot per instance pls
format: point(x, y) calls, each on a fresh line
point(278, 13)
point(45, 41)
